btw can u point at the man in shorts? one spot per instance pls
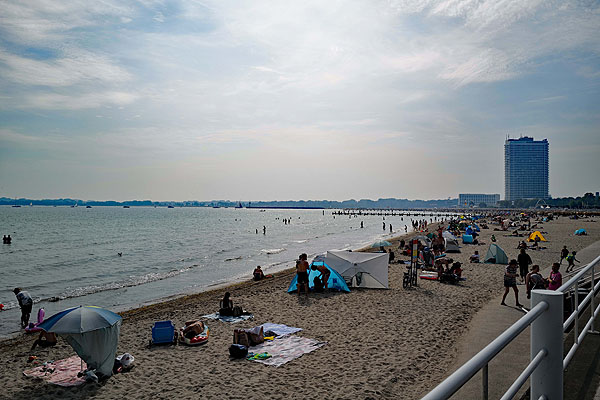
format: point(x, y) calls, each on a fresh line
point(302, 272)
point(26, 303)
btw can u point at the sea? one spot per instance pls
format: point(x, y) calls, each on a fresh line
point(122, 258)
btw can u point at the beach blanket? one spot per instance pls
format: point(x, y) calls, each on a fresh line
point(285, 349)
point(228, 318)
point(61, 372)
point(280, 329)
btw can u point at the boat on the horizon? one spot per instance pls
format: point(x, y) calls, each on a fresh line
point(125, 206)
point(239, 205)
point(88, 206)
point(170, 206)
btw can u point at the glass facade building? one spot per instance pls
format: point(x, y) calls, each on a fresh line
point(526, 169)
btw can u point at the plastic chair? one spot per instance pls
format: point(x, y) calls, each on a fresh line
point(163, 332)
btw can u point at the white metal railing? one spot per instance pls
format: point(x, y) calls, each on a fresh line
point(546, 342)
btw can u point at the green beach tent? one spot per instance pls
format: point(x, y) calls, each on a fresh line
point(495, 255)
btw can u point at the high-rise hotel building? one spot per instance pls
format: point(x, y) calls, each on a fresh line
point(526, 169)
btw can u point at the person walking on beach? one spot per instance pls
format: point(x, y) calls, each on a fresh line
point(26, 303)
point(302, 272)
point(510, 281)
point(524, 262)
point(563, 254)
point(571, 260)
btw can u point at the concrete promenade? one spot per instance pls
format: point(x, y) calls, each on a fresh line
point(582, 378)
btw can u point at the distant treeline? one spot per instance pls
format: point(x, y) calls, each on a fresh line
point(588, 200)
point(362, 204)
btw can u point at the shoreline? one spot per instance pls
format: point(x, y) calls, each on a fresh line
point(399, 342)
point(236, 282)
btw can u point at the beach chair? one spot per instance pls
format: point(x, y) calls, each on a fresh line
point(163, 332)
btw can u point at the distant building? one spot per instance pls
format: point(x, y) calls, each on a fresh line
point(526, 169)
point(475, 199)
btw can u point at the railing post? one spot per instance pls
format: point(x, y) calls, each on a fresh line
point(593, 307)
point(547, 333)
point(484, 382)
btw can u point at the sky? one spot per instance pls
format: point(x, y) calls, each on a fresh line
point(285, 100)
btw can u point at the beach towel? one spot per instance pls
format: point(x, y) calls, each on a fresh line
point(61, 372)
point(280, 329)
point(228, 318)
point(285, 349)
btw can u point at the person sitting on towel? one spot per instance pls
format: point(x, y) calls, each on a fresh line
point(226, 305)
point(258, 274)
point(46, 339)
point(192, 329)
point(325, 273)
point(475, 257)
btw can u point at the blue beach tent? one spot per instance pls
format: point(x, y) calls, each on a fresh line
point(335, 281)
point(580, 232)
point(467, 238)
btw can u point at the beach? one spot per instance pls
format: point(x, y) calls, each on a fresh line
point(396, 343)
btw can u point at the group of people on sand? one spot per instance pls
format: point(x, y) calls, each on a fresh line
point(302, 271)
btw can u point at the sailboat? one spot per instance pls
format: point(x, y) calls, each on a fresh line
point(239, 205)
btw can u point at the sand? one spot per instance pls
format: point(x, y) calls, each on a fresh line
point(392, 343)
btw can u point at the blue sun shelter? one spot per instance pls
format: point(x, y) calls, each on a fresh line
point(335, 281)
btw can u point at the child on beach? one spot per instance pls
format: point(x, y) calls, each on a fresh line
point(474, 257)
point(26, 303)
point(571, 260)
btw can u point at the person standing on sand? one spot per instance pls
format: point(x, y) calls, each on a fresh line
point(302, 272)
point(524, 263)
point(510, 281)
point(26, 303)
point(571, 260)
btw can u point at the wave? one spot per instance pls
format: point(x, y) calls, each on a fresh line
point(234, 258)
point(301, 241)
point(272, 251)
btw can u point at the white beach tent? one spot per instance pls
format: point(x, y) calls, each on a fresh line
point(366, 270)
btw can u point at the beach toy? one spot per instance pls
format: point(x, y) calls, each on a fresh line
point(200, 338)
point(32, 328)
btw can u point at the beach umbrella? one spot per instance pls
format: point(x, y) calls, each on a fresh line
point(79, 320)
point(92, 332)
point(381, 243)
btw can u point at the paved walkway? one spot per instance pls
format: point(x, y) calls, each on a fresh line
point(492, 320)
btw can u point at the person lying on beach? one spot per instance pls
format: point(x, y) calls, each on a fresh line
point(192, 329)
point(46, 339)
point(325, 273)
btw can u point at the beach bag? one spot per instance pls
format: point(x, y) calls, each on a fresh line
point(240, 337)
point(318, 284)
point(237, 311)
point(238, 351)
point(256, 335)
